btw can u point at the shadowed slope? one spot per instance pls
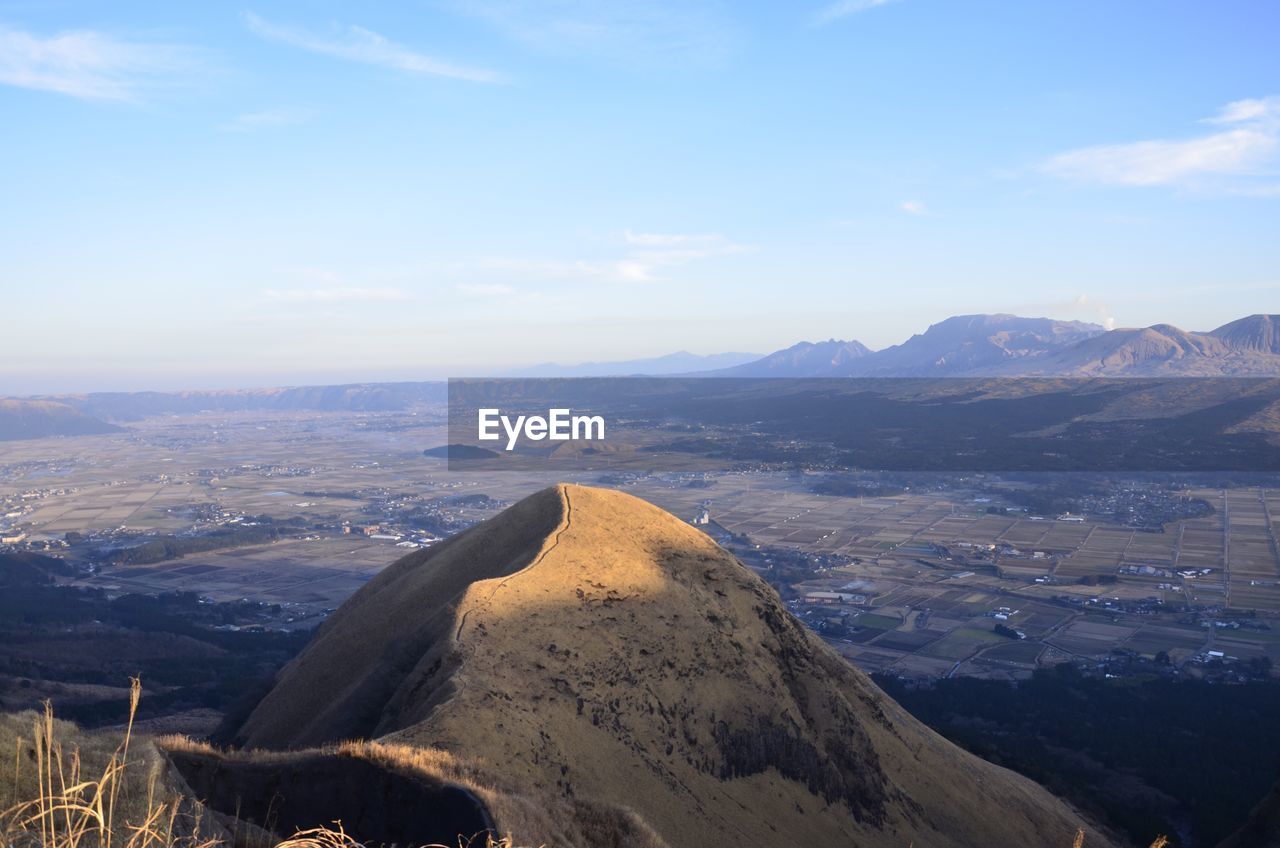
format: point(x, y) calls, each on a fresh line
point(618, 654)
point(400, 619)
point(1262, 830)
point(38, 419)
point(377, 805)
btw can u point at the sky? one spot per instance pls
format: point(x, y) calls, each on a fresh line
point(198, 195)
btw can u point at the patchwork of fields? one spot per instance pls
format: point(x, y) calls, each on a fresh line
point(933, 567)
point(937, 568)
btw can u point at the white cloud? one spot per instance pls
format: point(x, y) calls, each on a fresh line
point(669, 250)
point(1098, 310)
point(645, 32)
point(914, 207)
point(357, 44)
point(1263, 108)
point(88, 64)
point(1148, 163)
point(647, 256)
point(845, 8)
point(1246, 148)
point(337, 295)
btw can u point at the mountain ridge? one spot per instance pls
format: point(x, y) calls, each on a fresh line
point(1249, 346)
point(36, 419)
point(803, 359)
point(967, 343)
point(1002, 345)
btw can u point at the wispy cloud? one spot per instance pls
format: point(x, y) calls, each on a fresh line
point(1246, 147)
point(89, 64)
point(643, 32)
point(1238, 111)
point(914, 207)
point(845, 8)
point(1095, 308)
point(337, 295)
point(357, 44)
point(686, 245)
point(654, 251)
point(644, 259)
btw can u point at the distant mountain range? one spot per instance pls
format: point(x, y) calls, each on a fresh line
point(1009, 345)
point(983, 346)
point(962, 346)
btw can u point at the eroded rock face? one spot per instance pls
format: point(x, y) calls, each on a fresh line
point(589, 645)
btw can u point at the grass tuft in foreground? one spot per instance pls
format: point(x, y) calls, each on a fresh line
point(78, 794)
point(60, 801)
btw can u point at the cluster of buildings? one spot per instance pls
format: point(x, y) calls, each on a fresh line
point(1145, 571)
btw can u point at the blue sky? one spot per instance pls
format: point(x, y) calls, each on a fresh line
point(220, 194)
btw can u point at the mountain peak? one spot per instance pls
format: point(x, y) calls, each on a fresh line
point(803, 359)
point(1260, 333)
point(592, 645)
point(966, 344)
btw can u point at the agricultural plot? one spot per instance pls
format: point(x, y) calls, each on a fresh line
point(312, 574)
point(1092, 638)
point(920, 665)
point(1023, 652)
point(1241, 648)
point(1087, 564)
point(963, 642)
point(909, 641)
point(870, 660)
point(1255, 596)
point(1153, 638)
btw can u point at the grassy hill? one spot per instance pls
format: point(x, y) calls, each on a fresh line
point(601, 650)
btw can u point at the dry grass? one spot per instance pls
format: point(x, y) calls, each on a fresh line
point(1161, 841)
point(72, 789)
point(336, 837)
point(87, 795)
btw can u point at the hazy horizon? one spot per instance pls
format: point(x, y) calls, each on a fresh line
point(228, 381)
